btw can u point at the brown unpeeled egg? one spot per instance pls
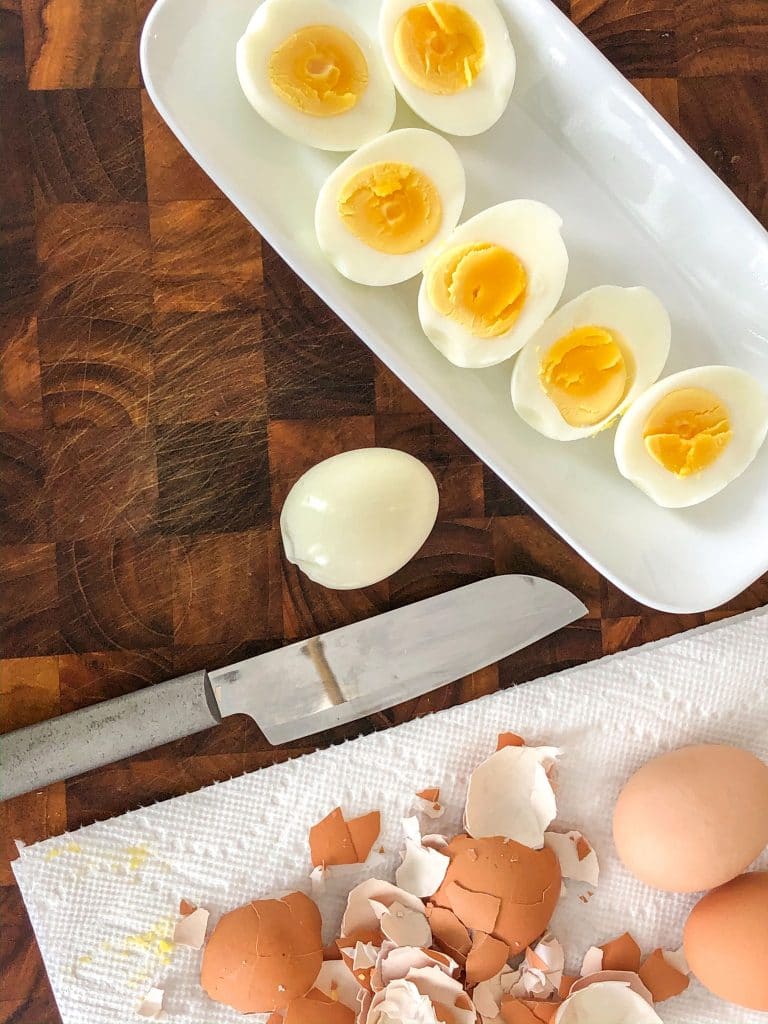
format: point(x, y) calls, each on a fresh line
point(261, 956)
point(525, 881)
point(693, 818)
point(726, 941)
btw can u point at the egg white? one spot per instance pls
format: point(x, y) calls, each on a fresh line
point(747, 404)
point(476, 108)
point(529, 229)
point(422, 149)
point(641, 326)
point(272, 23)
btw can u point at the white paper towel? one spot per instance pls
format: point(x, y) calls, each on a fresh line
point(103, 900)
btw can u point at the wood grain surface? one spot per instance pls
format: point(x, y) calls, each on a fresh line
point(165, 378)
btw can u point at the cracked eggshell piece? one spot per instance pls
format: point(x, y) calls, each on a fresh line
point(400, 1003)
point(578, 861)
point(191, 929)
point(361, 915)
point(337, 981)
point(405, 927)
point(448, 932)
point(335, 841)
point(264, 954)
point(592, 962)
point(629, 978)
point(356, 518)
point(526, 883)
point(152, 1005)
point(510, 795)
point(486, 958)
point(661, 976)
point(606, 1002)
point(621, 954)
point(422, 869)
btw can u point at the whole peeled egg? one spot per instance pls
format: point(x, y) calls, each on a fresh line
point(358, 517)
point(590, 360)
point(689, 435)
point(311, 72)
point(453, 63)
point(726, 941)
point(386, 208)
point(693, 818)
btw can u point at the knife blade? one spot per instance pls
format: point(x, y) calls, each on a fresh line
point(305, 687)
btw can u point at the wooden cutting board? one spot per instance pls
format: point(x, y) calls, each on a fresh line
point(165, 378)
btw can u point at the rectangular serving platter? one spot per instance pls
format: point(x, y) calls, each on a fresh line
point(639, 207)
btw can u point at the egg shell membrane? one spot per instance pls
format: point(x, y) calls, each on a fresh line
point(660, 978)
point(336, 841)
point(475, 109)
point(694, 817)
point(526, 882)
point(529, 229)
point(272, 23)
point(429, 153)
point(642, 329)
point(262, 955)
point(726, 941)
point(747, 404)
point(621, 954)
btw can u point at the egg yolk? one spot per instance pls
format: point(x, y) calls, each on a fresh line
point(319, 70)
point(392, 207)
point(585, 374)
point(439, 47)
point(481, 286)
point(687, 430)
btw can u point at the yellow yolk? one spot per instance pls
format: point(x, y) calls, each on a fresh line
point(687, 430)
point(319, 70)
point(481, 286)
point(585, 374)
point(439, 47)
point(392, 207)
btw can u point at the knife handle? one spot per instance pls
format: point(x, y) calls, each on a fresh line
point(70, 744)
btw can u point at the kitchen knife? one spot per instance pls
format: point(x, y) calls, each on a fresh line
point(305, 687)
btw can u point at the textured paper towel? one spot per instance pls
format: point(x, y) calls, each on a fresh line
point(103, 900)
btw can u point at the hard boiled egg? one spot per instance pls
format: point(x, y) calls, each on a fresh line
point(357, 517)
point(590, 360)
point(493, 283)
point(453, 64)
point(384, 210)
point(313, 74)
point(691, 434)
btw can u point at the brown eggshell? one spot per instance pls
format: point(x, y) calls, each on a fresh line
point(693, 818)
point(526, 1011)
point(486, 958)
point(263, 955)
point(660, 978)
point(526, 881)
point(509, 739)
point(476, 910)
point(334, 840)
point(448, 932)
point(431, 795)
point(318, 1011)
point(726, 941)
point(621, 954)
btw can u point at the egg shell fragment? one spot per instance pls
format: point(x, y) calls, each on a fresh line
point(428, 153)
point(661, 978)
point(273, 22)
point(606, 1002)
point(486, 958)
point(746, 401)
point(527, 1011)
point(530, 230)
point(472, 110)
point(334, 841)
point(357, 517)
point(726, 941)
point(578, 861)
point(262, 955)
point(510, 795)
point(693, 818)
point(526, 882)
point(318, 1011)
point(621, 954)
point(639, 323)
point(360, 914)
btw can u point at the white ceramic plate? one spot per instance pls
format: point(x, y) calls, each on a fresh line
point(639, 207)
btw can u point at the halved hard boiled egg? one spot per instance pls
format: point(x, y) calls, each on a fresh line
point(386, 208)
point(493, 283)
point(452, 63)
point(313, 74)
point(691, 434)
point(590, 360)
